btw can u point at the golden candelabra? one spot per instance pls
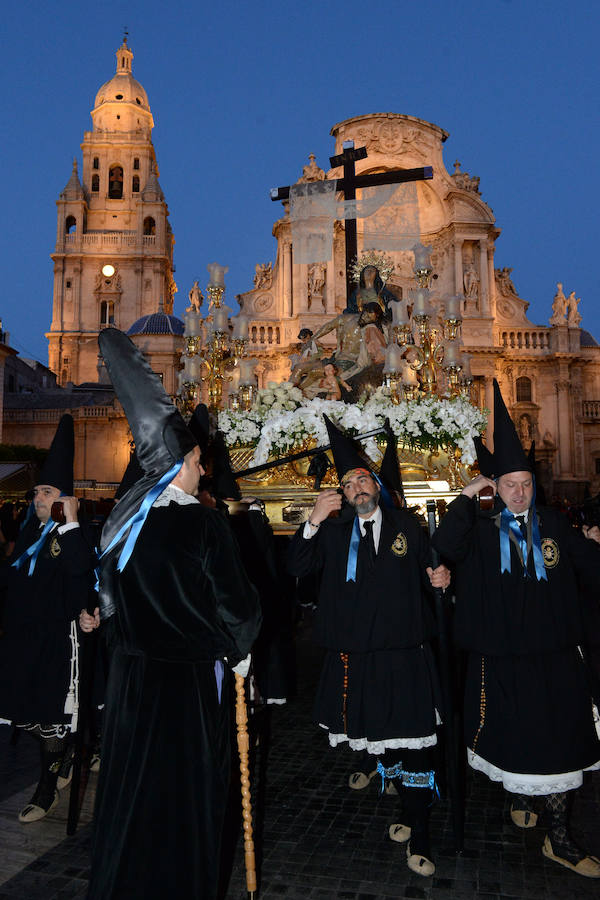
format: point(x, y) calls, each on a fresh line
point(427, 347)
point(212, 350)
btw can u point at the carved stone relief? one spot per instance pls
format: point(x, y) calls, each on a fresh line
point(264, 302)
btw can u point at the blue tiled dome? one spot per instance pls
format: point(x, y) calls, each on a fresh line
point(157, 323)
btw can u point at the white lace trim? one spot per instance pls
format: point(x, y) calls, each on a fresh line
point(536, 785)
point(377, 748)
point(276, 701)
point(173, 494)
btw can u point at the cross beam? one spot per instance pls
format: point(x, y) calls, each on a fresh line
point(348, 185)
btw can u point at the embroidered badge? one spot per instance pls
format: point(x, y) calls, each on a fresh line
point(54, 548)
point(550, 552)
point(400, 545)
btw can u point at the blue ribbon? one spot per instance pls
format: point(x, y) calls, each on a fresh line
point(353, 551)
point(219, 672)
point(136, 521)
point(509, 523)
point(34, 549)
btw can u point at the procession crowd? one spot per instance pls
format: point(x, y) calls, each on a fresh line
point(185, 586)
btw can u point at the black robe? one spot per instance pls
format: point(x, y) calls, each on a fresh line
point(383, 621)
point(36, 648)
point(182, 602)
point(523, 636)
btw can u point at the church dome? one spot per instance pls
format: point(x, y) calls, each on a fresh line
point(123, 88)
point(157, 323)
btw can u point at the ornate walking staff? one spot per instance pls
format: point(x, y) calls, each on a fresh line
point(241, 718)
point(446, 686)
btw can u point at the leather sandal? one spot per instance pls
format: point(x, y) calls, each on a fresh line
point(523, 818)
point(588, 866)
point(33, 813)
point(419, 864)
point(359, 780)
point(400, 833)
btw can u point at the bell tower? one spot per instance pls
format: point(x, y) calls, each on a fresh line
point(113, 260)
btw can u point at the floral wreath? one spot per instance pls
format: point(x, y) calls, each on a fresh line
point(381, 261)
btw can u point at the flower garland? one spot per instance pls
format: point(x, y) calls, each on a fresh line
point(282, 420)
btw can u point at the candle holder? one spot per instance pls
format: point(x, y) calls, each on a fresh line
point(212, 351)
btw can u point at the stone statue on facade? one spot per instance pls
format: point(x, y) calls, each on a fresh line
point(464, 181)
point(504, 282)
point(559, 306)
point(263, 275)
point(471, 284)
point(195, 297)
point(316, 282)
point(574, 317)
point(311, 172)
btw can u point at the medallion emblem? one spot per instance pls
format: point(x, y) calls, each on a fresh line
point(400, 545)
point(550, 552)
point(54, 548)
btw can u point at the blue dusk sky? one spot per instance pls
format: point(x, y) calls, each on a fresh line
point(242, 92)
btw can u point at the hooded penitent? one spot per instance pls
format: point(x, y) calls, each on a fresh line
point(389, 472)
point(161, 438)
point(215, 456)
point(509, 456)
point(57, 469)
point(131, 475)
point(346, 455)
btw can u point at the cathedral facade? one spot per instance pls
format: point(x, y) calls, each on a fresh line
point(549, 374)
point(113, 264)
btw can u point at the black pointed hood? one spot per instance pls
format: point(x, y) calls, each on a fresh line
point(508, 455)
point(160, 434)
point(199, 425)
point(389, 472)
point(161, 439)
point(57, 468)
point(345, 451)
point(131, 475)
point(224, 485)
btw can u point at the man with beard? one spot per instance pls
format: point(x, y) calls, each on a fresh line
point(378, 684)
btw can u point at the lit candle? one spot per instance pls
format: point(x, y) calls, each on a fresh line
point(393, 359)
point(453, 307)
point(452, 353)
point(422, 256)
point(399, 312)
point(421, 306)
point(217, 274)
point(240, 328)
point(220, 322)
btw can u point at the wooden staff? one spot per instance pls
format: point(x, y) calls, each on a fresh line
point(241, 718)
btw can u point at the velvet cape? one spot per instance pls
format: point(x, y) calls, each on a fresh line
point(182, 602)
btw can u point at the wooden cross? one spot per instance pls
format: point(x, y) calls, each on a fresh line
point(348, 185)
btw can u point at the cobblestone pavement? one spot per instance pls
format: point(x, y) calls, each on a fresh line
point(314, 836)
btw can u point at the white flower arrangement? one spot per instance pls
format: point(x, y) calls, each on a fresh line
point(282, 419)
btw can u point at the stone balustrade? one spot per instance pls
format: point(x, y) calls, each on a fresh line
point(54, 415)
point(525, 339)
point(590, 409)
point(264, 334)
point(114, 241)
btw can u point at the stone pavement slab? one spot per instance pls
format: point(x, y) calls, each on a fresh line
point(314, 837)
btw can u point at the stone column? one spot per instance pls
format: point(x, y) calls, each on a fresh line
point(483, 279)
point(491, 281)
point(563, 404)
point(459, 286)
point(489, 403)
point(287, 279)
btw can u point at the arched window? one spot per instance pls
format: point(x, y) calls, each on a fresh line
point(254, 334)
point(135, 184)
point(96, 163)
point(136, 163)
point(95, 184)
point(523, 386)
point(277, 334)
point(115, 183)
point(70, 224)
point(149, 225)
point(107, 313)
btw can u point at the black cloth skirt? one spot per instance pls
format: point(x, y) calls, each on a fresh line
point(538, 712)
point(391, 694)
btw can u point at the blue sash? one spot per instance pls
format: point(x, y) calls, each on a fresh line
point(34, 550)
